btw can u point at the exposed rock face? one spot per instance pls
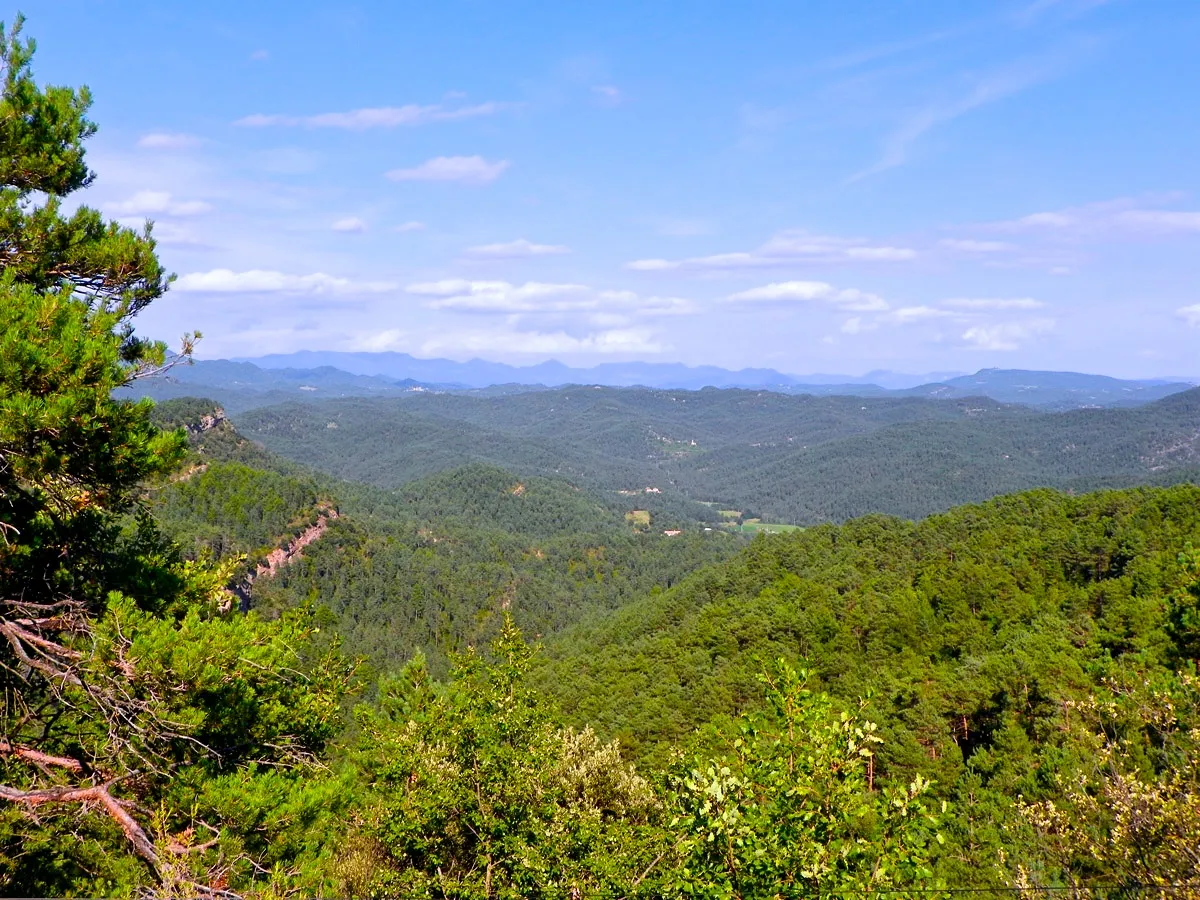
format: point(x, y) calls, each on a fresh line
point(1182, 450)
point(209, 422)
point(281, 556)
point(188, 474)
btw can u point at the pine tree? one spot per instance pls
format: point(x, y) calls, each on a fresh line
point(136, 707)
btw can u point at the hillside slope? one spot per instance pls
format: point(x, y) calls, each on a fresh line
point(971, 634)
point(792, 459)
point(429, 568)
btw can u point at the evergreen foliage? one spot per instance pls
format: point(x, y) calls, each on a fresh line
point(1003, 695)
point(970, 635)
point(131, 705)
point(793, 459)
point(430, 568)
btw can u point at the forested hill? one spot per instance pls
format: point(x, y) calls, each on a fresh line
point(621, 438)
point(429, 568)
point(797, 459)
point(373, 722)
point(972, 633)
point(976, 638)
point(1053, 390)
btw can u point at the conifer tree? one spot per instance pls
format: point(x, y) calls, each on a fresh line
point(133, 702)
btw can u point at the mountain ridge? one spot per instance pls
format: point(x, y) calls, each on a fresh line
point(248, 383)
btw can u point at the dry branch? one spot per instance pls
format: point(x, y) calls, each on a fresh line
point(97, 794)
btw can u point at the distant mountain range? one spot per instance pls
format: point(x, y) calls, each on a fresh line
point(242, 385)
point(316, 375)
point(478, 373)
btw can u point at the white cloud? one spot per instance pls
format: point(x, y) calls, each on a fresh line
point(1046, 220)
point(856, 325)
point(900, 317)
point(989, 89)
point(970, 246)
point(791, 245)
point(518, 249)
point(262, 281)
point(171, 234)
point(157, 203)
point(607, 94)
point(662, 306)
point(619, 297)
point(502, 297)
point(350, 225)
point(785, 249)
point(606, 307)
point(447, 287)
point(1120, 218)
point(375, 117)
point(1006, 336)
point(632, 304)
point(994, 303)
point(379, 341)
point(787, 290)
point(409, 226)
point(465, 169)
point(881, 254)
point(161, 140)
point(260, 55)
point(1160, 220)
point(1190, 314)
point(811, 291)
point(906, 315)
point(613, 341)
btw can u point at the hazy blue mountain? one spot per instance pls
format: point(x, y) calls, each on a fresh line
point(480, 373)
point(1054, 390)
point(241, 385)
point(1050, 390)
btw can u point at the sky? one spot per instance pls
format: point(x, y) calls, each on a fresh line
point(841, 186)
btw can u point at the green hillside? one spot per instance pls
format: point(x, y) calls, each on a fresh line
point(971, 634)
point(1001, 698)
point(229, 497)
point(799, 460)
point(430, 567)
point(914, 469)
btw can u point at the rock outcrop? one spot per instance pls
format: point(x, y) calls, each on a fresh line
point(281, 556)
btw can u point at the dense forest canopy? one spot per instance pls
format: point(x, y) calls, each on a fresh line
point(508, 662)
point(800, 460)
point(433, 566)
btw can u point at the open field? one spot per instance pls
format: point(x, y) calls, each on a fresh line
point(638, 518)
point(755, 526)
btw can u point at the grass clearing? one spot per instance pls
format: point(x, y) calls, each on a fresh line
point(638, 518)
point(754, 526)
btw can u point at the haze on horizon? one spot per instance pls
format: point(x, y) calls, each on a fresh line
point(842, 187)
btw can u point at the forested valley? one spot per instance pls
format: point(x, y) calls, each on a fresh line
point(794, 459)
point(510, 646)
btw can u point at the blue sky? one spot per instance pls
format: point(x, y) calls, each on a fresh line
point(819, 186)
